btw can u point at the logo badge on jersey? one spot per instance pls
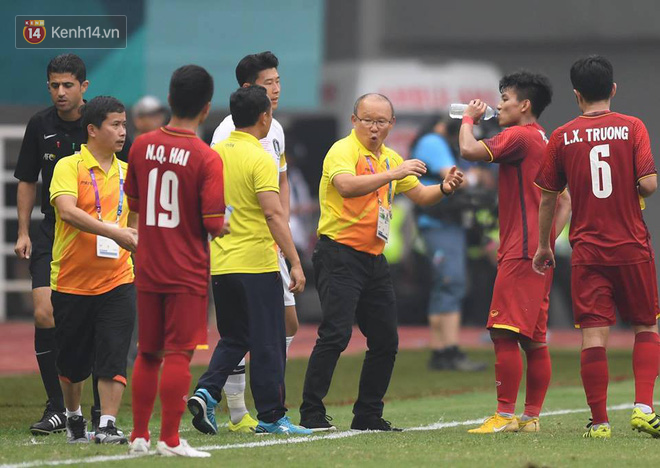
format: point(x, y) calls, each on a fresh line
point(277, 147)
point(34, 31)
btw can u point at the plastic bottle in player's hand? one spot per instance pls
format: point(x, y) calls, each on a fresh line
point(456, 111)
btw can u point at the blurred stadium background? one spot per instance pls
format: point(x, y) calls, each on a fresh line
point(423, 54)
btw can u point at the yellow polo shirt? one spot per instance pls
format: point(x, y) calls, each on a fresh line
point(353, 221)
point(75, 268)
point(248, 170)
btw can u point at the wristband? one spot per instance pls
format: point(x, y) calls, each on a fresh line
point(442, 189)
point(468, 120)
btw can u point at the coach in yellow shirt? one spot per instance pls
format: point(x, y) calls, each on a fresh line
point(247, 287)
point(91, 272)
point(360, 177)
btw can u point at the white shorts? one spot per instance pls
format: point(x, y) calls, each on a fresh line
point(289, 300)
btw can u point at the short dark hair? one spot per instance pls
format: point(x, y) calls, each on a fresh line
point(527, 85)
point(96, 110)
point(67, 63)
point(593, 77)
point(364, 96)
point(191, 88)
point(250, 66)
point(247, 104)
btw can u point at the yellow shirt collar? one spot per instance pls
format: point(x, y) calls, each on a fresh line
point(245, 137)
point(90, 161)
point(384, 150)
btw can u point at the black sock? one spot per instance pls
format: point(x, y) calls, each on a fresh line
point(45, 348)
point(95, 389)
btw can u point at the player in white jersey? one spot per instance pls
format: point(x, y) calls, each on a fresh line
point(259, 69)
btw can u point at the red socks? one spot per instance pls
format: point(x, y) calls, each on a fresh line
point(144, 386)
point(595, 376)
point(646, 359)
point(539, 371)
point(508, 373)
point(174, 386)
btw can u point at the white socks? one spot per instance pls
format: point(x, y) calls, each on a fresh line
point(289, 339)
point(77, 412)
point(646, 409)
point(235, 393)
point(105, 419)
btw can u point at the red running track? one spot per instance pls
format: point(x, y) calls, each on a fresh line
point(17, 343)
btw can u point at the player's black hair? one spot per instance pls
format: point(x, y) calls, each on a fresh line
point(250, 66)
point(247, 104)
point(96, 110)
point(593, 77)
point(191, 88)
point(67, 63)
point(527, 85)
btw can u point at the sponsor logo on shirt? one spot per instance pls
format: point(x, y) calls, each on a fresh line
point(49, 157)
point(494, 313)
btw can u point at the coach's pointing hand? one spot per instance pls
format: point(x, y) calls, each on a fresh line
point(410, 167)
point(453, 180)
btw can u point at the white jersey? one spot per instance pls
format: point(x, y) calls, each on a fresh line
point(273, 143)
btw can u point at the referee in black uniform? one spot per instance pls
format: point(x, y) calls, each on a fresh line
point(51, 134)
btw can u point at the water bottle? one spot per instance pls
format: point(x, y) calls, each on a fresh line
point(456, 111)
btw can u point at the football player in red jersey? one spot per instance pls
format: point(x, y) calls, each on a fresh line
point(175, 183)
point(605, 158)
point(519, 308)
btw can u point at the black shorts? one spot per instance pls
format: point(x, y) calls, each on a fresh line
point(42, 254)
point(94, 331)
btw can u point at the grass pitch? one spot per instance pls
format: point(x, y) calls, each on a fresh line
point(436, 407)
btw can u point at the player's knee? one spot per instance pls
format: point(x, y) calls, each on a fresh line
point(291, 328)
point(187, 354)
point(645, 328)
point(43, 316)
point(152, 356)
point(529, 345)
point(500, 334)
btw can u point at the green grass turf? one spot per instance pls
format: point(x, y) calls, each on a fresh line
point(417, 397)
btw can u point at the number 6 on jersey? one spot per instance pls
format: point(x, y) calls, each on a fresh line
point(168, 199)
point(600, 171)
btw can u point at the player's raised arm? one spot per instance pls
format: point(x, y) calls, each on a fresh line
point(471, 149)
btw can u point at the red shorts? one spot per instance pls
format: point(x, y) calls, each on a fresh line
point(521, 299)
point(597, 289)
point(171, 322)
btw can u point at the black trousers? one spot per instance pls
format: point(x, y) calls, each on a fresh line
point(250, 317)
point(352, 284)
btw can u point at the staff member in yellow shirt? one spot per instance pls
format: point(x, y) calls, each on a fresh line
point(247, 287)
point(360, 177)
point(91, 272)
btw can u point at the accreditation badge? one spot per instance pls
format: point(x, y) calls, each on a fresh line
point(106, 247)
point(384, 218)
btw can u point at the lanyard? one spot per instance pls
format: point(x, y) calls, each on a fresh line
point(389, 185)
point(97, 197)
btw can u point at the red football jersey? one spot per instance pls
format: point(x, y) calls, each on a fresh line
point(176, 180)
point(519, 150)
point(601, 157)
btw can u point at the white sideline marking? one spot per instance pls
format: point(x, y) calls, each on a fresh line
point(293, 440)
